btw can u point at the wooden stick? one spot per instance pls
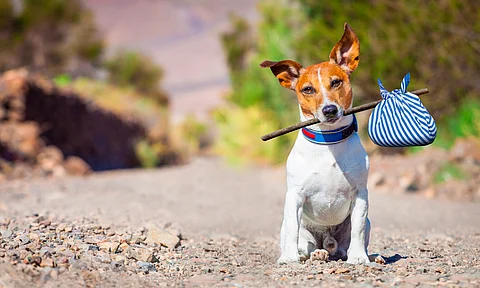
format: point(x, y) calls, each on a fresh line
point(353, 110)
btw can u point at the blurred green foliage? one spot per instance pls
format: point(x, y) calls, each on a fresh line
point(438, 42)
point(62, 80)
point(147, 154)
point(449, 171)
point(139, 71)
point(191, 135)
point(465, 123)
point(240, 142)
point(52, 36)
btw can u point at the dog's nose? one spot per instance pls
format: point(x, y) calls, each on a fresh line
point(330, 111)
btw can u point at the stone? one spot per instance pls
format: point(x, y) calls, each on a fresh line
point(91, 240)
point(140, 254)
point(146, 267)
point(76, 166)
point(342, 270)
point(377, 179)
point(7, 233)
point(160, 236)
point(111, 247)
point(48, 262)
point(104, 257)
point(61, 227)
point(46, 251)
point(24, 239)
point(54, 274)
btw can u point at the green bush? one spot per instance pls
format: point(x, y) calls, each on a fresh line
point(138, 71)
point(449, 171)
point(191, 136)
point(465, 123)
point(240, 131)
point(48, 35)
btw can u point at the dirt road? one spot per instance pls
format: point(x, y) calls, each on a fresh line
point(229, 220)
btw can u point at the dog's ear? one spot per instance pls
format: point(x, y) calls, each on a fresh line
point(286, 71)
point(347, 51)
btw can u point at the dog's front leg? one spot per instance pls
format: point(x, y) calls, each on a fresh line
point(290, 227)
point(357, 252)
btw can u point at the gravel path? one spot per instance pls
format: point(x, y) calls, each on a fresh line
point(205, 224)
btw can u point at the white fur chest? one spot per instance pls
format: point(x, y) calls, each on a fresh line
point(326, 177)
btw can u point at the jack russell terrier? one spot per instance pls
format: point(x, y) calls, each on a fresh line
point(326, 205)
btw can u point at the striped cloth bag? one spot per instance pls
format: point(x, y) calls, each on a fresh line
point(401, 120)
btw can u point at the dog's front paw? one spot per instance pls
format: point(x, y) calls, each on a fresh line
point(284, 259)
point(319, 254)
point(359, 257)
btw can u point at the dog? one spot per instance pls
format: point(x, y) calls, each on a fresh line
point(326, 204)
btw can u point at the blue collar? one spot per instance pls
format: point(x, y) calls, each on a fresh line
point(331, 136)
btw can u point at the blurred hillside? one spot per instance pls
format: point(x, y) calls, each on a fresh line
point(103, 111)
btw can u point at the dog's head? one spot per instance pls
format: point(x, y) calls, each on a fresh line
point(323, 90)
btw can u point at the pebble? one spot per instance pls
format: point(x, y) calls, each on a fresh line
point(48, 262)
point(157, 235)
point(109, 246)
point(7, 233)
point(146, 267)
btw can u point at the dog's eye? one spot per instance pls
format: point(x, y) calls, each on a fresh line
point(308, 90)
point(335, 83)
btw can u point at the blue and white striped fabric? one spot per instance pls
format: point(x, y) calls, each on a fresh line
point(401, 120)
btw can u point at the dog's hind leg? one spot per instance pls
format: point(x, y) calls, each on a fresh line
point(367, 234)
point(306, 243)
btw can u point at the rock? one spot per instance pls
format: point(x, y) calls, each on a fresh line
point(48, 262)
point(104, 257)
point(7, 233)
point(342, 270)
point(111, 247)
point(117, 265)
point(377, 179)
point(61, 227)
point(159, 236)
point(173, 229)
point(139, 239)
point(54, 274)
point(120, 258)
point(91, 240)
point(21, 139)
point(464, 149)
point(329, 271)
point(87, 247)
point(123, 247)
point(50, 160)
point(140, 254)
point(76, 166)
point(46, 251)
point(409, 182)
point(51, 153)
point(45, 223)
point(146, 267)
point(24, 239)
